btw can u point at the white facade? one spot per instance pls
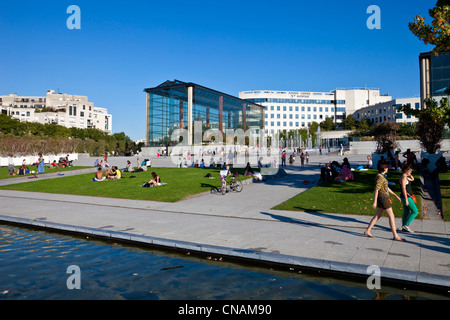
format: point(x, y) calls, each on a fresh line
point(59, 108)
point(388, 111)
point(290, 110)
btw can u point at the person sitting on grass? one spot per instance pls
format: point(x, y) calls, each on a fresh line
point(156, 181)
point(21, 171)
point(118, 173)
point(53, 165)
point(99, 175)
point(129, 168)
point(111, 173)
point(248, 170)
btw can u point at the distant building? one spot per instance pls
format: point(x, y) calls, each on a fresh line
point(388, 111)
point(290, 110)
point(59, 108)
point(434, 75)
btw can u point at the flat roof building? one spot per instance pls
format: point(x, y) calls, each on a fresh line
point(59, 108)
point(176, 105)
point(388, 111)
point(291, 110)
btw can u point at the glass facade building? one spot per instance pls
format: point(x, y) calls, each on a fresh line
point(434, 75)
point(177, 105)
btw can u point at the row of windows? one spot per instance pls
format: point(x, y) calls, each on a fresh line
point(291, 124)
point(291, 116)
point(309, 109)
point(388, 109)
point(301, 101)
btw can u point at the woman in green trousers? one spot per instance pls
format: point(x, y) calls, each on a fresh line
point(409, 207)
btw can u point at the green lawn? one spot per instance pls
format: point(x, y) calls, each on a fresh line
point(355, 197)
point(4, 170)
point(182, 183)
point(444, 179)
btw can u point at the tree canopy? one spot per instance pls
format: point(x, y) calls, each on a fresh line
point(438, 33)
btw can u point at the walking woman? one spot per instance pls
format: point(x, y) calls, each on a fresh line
point(409, 207)
point(382, 202)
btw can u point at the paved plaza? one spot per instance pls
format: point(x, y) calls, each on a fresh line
point(243, 225)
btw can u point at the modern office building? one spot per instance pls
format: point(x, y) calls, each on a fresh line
point(388, 111)
point(434, 75)
point(59, 108)
point(288, 110)
point(176, 105)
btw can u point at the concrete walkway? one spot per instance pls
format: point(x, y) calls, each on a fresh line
point(243, 225)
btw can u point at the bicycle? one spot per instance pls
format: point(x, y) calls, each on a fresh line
point(228, 186)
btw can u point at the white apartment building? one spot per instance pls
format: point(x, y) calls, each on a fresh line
point(289, 110)
point(59, 108)
point(388, 111)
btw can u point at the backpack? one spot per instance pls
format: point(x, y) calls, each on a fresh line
point(147, 185)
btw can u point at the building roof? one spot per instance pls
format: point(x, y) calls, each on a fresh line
point(164, 87)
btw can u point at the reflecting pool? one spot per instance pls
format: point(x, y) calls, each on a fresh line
point(34, 265)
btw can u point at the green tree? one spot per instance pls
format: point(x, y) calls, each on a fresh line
point(327, 125)
point(431, 124)
point(349, 123)
point(386, 135)
point(438, 33)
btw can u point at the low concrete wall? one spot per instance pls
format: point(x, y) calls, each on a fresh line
point(368, 147)
point(17, 161)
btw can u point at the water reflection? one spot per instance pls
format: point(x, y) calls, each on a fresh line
point(33, 265)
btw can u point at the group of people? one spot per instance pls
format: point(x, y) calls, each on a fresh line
point(24, 169)
point(115, 174)
point(335, 172)
point(383, 202)
point(112, 174)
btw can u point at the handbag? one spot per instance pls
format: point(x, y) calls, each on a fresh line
point(414, 198)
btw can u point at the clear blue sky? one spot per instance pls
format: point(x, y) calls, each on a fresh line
point(230, 46)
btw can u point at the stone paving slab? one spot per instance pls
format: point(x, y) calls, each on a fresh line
point(243, 225)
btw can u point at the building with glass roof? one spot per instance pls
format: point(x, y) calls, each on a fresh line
point(177, 105)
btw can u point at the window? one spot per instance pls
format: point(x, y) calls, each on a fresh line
point(284, 108)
